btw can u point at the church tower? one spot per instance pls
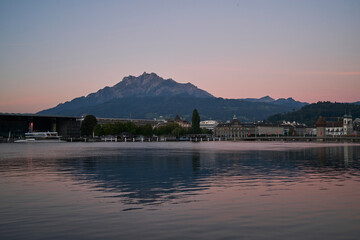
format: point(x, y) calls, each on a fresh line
point(348, 125)
point(321, 127)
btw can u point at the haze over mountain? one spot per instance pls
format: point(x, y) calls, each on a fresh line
point(150, 96)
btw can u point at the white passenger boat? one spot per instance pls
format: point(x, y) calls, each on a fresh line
point(40, 137)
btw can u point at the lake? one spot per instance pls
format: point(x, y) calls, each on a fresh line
point(208, 190)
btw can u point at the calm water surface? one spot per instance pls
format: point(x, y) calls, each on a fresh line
point(220, 190)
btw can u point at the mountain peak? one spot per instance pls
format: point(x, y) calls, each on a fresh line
point(267, 99)
point(143, 79)
point(150, 74)
point(146, 75)
point(152, 85)
point(149, 95)
point(145, 85)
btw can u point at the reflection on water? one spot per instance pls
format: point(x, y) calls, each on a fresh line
point(173, 191)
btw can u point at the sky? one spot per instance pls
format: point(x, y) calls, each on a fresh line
point(54, 51)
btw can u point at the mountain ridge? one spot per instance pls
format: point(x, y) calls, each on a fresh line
point(133, 93)
point(310, 113)
point(147, 84)
point(289, 102)
point(168, 107)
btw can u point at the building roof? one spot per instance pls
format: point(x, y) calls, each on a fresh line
point(236, 123)
point(321, 122)
point(267, 125)
point(334, 124)
point(208, 122)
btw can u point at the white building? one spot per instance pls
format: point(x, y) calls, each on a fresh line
point(209, 124)
point(348, 125)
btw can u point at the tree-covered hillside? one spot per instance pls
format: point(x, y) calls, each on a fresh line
point(310, 113)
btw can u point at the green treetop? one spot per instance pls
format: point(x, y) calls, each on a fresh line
point(195, 121)
point(88, 125)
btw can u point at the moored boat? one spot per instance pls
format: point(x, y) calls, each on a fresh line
point(40, 137)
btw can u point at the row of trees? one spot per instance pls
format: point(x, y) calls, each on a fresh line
point(130, 128)
point(120, 128)
point(89, 127)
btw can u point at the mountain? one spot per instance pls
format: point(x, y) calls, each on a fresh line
point(263, 99)
point(146, 85)
point(150, 96)
point(287, 102)
point(169, 107)
point(310, 113)
point(149, 85)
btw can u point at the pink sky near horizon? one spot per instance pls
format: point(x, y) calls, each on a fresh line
point(52, 52)
point(51, 97)
point(220, 83)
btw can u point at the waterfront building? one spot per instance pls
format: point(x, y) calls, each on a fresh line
point(310, 131)
point(180, 122)
point(209, 124)
point(320, 127)
point(348, 125)
point(335, 127)
point(356, 125)
point(263, 129)
point(296, 129)
point(234, 129)
point(16, 125)
point(300, 130)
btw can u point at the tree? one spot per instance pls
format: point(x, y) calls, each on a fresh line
point(109, 129)
point(292, 132)
point(130, 127)
point(176, 132)
point(145, 130)
point(206, 131)
point(98, 130)
point(195, 122)
point(88, 125)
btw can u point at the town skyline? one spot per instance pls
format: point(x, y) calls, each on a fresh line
point(53, 52)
